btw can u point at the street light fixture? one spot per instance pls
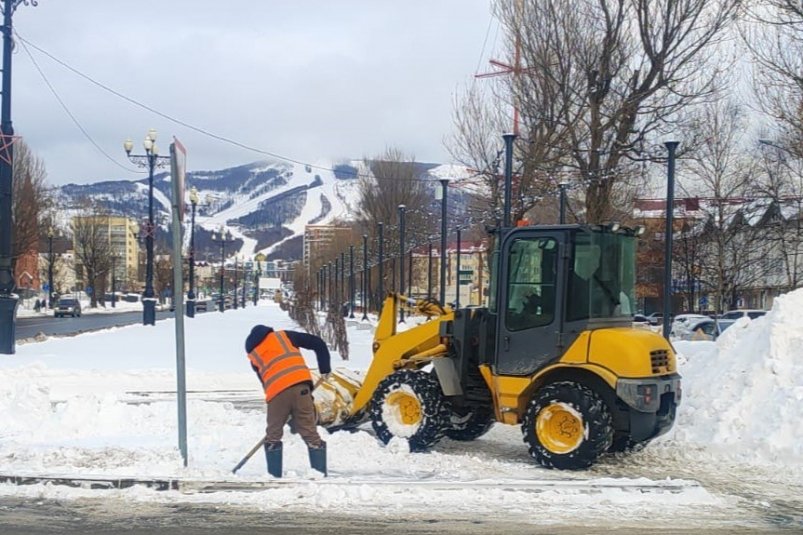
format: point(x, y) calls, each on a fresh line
point(222, 236)
point(150, 161)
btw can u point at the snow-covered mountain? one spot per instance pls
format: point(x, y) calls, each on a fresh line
point(265, 205)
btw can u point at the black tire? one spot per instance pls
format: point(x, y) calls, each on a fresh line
point(469, 424)
point(414, 387)
point(583, 414)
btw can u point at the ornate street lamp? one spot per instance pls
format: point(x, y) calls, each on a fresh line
point(222, 237)
point(150, 160)
point(191, 294)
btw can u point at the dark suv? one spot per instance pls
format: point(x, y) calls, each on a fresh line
point(68, 306)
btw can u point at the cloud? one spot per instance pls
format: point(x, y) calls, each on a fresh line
point(306, 79)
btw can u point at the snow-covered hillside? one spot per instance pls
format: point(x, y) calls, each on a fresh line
point(264, 205)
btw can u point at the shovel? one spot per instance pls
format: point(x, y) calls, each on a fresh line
point(262, 440)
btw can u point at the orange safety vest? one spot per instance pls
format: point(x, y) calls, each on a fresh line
point(279, 363)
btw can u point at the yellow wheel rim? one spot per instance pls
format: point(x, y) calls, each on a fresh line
point(559, 428)
point(406, 406)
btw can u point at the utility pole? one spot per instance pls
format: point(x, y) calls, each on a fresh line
point(401, 258)
point(671, 146)
point(443, 195)
point(8, 300)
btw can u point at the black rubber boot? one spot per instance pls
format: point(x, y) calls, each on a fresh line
point(273, 454)
point(317, 458)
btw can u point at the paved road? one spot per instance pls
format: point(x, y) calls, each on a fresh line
point(26, 516)
point(30, 327)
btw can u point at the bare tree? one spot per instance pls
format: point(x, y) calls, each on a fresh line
point(32, 200)
point(93, 247)
point(730, 258)
point(773, 31)
point(600, 79)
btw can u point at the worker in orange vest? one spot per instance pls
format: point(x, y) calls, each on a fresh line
point(286, 379)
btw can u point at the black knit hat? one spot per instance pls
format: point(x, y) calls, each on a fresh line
point(258, 334)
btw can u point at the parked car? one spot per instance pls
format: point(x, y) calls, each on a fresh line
point(705, 329)
point(640, 318)
point(736, 314)
point(67, 306)
point(655, 318)
point(201, 306)
point(682, 322)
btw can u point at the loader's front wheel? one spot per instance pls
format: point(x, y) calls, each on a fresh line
point(567, 426)
point(409, 404)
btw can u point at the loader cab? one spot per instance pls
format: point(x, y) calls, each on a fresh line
point(551, 284)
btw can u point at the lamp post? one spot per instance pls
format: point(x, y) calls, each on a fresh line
point(50, 267)
point(351, 282)
point(402, 209)
point(457, 278)
point(381, 264)
point(671, 147)
point(443, 198)
point(222, 237)
point(191, 293)
point(114, 280)
point(365, 268)
point(563, 186)
point(245, 284)
point(234, 304)
point(150, 160)
point(8, 300)
point(257, 275)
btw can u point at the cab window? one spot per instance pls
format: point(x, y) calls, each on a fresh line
point(531, 279)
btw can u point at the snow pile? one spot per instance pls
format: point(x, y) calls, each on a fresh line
point(743, 395)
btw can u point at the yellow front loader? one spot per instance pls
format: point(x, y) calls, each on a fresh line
point(554, 352)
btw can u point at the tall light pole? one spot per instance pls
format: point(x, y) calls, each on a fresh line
point(402, 209)
point(235, 283)
point(563, 186)
point(114, 280)
point(245, 284)
point(257, 275)
point(442, 195)
point(222, 237)
point(191, 293)
point(351, 282)
point(671, 147)
point(150, 160)
point(8, 300)
point(50, 267)
point(365, 270)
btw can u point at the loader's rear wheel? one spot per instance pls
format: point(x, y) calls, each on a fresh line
point(410, 405)
point(567, 426)
point(469, 423)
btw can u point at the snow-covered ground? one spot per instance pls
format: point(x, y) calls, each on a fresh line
point(103, 404)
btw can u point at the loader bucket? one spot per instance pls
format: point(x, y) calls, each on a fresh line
point(334, 397)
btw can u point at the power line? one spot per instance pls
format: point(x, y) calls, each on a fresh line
point(69, 113)
point(194, 128)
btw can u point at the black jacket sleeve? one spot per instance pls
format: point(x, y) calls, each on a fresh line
point(313, 343)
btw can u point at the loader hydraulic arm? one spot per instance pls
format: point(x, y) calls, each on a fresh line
point(411, 348)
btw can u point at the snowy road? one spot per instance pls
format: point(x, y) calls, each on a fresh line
point(72, 409)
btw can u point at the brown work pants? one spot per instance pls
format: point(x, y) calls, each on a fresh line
point(295, 401)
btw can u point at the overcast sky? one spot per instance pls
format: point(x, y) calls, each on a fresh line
point(307, 79)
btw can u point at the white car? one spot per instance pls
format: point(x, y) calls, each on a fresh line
point(736, 314)
point(681, 323)
point(705, 329)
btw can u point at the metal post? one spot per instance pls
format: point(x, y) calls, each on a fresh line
point(365, 269)
point(8, 300)
point(410, 274)
point(336, 296)
point(444, 191)
point(114, 258)
point(429, 273)
point(50, 269)
point(342, 295)
point(381, 266)
point(149, 297)
point(351, 282)
point(191, 293)
point(562, 187)
point(670, 202)
point(457, 278)
point(245, 284)
point(222, 303)
point(321, 294)
point(257, 275)
point(330, 274)
point(401, 258)
point(234, 300)
point(509, 138)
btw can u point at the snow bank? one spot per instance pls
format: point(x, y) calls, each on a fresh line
point(743, 394)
